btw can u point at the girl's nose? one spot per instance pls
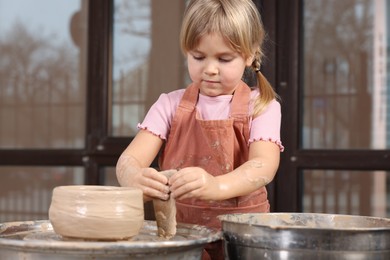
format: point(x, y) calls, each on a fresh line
point(211, 68)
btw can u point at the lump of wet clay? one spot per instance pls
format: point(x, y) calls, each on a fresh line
point(165, 213)
point(94, 212)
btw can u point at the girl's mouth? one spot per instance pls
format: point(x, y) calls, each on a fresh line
point(211, 81)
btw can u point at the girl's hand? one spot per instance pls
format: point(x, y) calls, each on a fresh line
point(152, 183)
point(194, 182)
point(133, 167)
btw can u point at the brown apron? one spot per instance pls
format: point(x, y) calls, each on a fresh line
point(217, 146)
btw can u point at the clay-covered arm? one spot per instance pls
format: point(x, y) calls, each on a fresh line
point(133, 166)
point(258, 171)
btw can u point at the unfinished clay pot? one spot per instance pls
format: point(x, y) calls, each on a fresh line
point(96, 212)
point(165, 212)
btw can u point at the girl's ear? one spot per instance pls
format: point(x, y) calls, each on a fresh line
point(249, 60)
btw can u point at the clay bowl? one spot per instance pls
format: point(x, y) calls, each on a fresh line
point(96, 212)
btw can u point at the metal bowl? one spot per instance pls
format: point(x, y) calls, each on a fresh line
point(305, 236)
point(35, 240)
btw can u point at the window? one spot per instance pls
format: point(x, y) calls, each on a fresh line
point(42, 74)
point(147, 59)
point(43, 61)
point(346, 85)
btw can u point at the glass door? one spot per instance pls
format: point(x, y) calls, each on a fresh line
point(338, 125)
point(43, 59)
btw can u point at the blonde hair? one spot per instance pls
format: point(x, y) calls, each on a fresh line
point(240, 23)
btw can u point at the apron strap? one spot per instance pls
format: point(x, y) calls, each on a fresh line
point(240, 101)
point(190, 98)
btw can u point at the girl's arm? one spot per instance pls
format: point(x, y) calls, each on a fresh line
point(133, 166)
point(258, 171)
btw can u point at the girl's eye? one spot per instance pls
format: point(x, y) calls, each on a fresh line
point(224, 60)
point(198, 57)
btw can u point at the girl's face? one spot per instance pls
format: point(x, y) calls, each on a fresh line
point(215, 66)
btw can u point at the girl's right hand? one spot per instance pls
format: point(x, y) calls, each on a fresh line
point(152, 183)
point(133, 167)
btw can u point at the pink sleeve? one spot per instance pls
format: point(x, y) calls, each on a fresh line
point(266, 127)
point(159, 117)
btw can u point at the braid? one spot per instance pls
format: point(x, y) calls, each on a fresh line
point(256, 64)
point(267, 93)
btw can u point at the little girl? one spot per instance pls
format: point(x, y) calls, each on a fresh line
point(222, 136)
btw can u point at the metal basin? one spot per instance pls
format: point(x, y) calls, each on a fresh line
point(305, 236)
point(35, 240)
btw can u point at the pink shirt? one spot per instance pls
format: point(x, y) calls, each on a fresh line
point(265, 127)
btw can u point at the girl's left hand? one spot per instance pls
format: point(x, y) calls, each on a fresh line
point(194, 182)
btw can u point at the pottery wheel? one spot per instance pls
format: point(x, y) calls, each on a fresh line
point(39, 236)
point(141, 237)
